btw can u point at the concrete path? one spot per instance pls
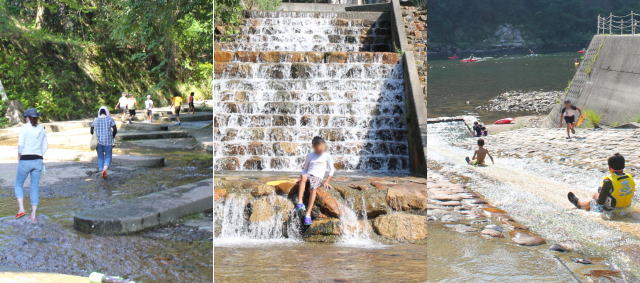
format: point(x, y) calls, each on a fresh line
point(147, 211)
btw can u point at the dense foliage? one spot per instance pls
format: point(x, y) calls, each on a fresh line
point(551, 24)
point(68, 57)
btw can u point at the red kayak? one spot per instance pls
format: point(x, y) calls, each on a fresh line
point(581, 51)
point(469, 60)
point(453, 57)
point(505, 121)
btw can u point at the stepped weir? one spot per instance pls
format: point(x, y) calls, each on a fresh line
point(291, 75)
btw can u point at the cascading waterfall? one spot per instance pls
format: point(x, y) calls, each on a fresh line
point(233, 215)
point(356, 231)
point(271, 104)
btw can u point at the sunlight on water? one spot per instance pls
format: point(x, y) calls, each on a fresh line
point(532, 191)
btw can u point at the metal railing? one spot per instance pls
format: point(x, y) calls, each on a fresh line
point(612, 24)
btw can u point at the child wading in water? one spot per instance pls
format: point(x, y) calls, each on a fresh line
point(614, 195)
point(479, 155)
point(315, 166)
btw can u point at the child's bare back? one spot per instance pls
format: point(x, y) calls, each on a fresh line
point(479, 155)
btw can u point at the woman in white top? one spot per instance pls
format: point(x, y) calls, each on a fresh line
point(148, 105)
point(315, 166)
point(32, 145)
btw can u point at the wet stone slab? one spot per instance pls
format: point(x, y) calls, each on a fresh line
point(147, 211)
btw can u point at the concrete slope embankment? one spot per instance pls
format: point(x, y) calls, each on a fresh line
point(607, 81)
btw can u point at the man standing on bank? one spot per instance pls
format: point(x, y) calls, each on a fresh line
point(32, 145)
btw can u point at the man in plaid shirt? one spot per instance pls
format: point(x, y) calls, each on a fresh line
point(105, 130)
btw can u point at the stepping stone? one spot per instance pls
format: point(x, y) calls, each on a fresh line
point(145, 127)
point(147, 211)
point(151, 135)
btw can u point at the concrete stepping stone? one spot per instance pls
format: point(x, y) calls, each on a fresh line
point(151, 135)
point(145, 127)
point(148, 211)
point(137, 161)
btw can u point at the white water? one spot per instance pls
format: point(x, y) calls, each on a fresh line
point(236, 229)
point(534, 192)
point(355, 227)
point(267, 113)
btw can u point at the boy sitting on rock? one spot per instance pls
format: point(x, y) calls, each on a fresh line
point(313, 170)
point(614, 195)
point(479, 155)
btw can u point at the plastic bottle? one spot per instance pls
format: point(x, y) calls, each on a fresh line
point(97, 277)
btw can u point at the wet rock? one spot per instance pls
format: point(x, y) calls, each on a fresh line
point(336, 57)
point(494, 231)
point(407, 196)
point(285, 148)
point(450, 218)
point(284, 188)
point(253, 163)
point(265, 208)
point(247, 56)
point(526, 238)
point(379, 185)
point(325, 227)
point(390, 58)
point(262, 190)
point(228, 163)
point(315, 57)
point(446, 197)
point(359, 186)
point(219, 194)
point(270, 56)
point(462, 228)
point(223, 56)
point(558, 248)
point(301, 70)
point(325, 202)
point(401, 226)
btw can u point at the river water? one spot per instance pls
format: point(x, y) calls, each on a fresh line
point(534, 193)
point(169, 254)
point(453, 83)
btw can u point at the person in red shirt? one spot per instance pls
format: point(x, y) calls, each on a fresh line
point(192, 106)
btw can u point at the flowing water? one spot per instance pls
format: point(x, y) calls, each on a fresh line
point(268, 112)
point(453, 83)
point(534, 193)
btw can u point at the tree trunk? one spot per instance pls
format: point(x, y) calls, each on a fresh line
point(39, 15)
point(3, 94)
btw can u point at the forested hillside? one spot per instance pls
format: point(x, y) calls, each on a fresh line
point(546, 24)
point(68, 57)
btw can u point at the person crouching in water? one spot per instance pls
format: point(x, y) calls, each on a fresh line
point(568, 114)
point(315, 166)
point(479, 155)
point(614, 195)
point(106, 130)
point(32, 145)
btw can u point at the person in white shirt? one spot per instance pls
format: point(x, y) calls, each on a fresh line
point(148, 105)
point(315, 166)
point(32, 145)
point(122, 104)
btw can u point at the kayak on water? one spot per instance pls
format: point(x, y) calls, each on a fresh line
point(505, 121)
point(469, 60)
point(581, 51)
point(454, 57)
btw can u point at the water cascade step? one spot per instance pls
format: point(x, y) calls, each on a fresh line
point(290, 76)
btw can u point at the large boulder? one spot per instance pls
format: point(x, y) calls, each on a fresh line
point(262, 190)
point(325, 201)
point(401, 226)
point(265, 208)
point(407, 196)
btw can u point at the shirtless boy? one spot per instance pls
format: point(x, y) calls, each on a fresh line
point(479, 155)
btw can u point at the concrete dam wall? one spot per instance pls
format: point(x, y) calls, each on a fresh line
point(607, 81)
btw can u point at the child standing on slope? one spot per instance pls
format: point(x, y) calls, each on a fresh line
point(315, 166)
